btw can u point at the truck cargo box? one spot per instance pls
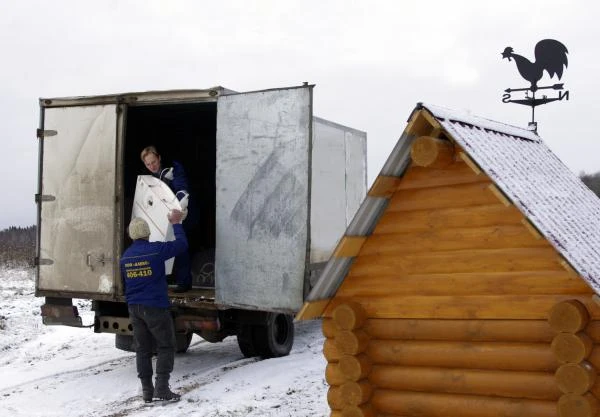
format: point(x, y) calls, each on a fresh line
point(273, 186)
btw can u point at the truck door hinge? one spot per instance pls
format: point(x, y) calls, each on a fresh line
point(44, 197)
point(41, 133)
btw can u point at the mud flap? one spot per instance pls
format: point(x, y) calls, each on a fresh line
point(60, 311)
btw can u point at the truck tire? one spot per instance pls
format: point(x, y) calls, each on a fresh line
point(245, 338)
point(183, 341)
point(275, 339)
point(124, 342)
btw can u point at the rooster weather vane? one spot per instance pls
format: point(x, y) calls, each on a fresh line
point(550, 56)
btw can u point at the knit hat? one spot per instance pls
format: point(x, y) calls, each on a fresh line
point(139, 229)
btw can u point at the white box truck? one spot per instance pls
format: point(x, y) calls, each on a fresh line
point(275, 187)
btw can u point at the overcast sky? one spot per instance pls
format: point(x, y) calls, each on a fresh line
point(371, 61)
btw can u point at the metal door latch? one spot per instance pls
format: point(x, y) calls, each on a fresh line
point(92, 260)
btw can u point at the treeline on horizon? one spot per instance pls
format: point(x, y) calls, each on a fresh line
point(17, 244)
point(17, 247)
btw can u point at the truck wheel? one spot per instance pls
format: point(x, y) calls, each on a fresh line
point(183, 341)
point(276, 338)
point(124, 342)
point(245, 340)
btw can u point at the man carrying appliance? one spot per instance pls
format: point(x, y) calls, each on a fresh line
point(143, 271)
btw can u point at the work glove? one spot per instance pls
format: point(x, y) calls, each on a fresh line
point(183, 197)
point(167, 174)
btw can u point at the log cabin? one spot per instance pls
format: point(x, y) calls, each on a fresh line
point(465, 285)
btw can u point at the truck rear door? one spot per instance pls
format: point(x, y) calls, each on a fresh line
point(262, 195)
point(76, 203)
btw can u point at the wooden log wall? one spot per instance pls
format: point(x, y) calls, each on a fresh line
point(348, 366)
point(573, 346)
point(455, 306)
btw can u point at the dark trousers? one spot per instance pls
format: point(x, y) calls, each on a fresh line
point(183, 273)
point(153, 327)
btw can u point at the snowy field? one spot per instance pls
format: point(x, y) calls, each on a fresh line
point(60, 371)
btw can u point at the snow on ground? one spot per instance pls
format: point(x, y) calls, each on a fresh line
point(62, 371)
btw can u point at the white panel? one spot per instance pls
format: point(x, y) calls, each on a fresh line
point(328, 199)
point(78, 227)
point(262, 198)
point(152, 202)
point(356, 172)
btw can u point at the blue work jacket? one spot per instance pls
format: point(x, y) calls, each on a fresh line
point(143, 269)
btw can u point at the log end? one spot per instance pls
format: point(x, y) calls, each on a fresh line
point(569, 316)
point(349, 316)
point(571, 348)
point(575, 378)
point(427, 151)
point(573, 405)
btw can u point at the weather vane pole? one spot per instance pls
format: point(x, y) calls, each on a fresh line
point(550, 56)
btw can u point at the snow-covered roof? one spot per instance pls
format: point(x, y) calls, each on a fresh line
point(563, 209)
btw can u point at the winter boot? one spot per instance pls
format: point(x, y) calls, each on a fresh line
point(162, 390)
point(147, 389)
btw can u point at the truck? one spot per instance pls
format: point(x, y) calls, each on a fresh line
point(275, 185)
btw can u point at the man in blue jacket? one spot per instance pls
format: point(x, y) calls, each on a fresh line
point(143, 271)
point(174, 176)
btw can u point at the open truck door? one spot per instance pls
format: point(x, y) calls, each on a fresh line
point(76, 202)
point(262, 198)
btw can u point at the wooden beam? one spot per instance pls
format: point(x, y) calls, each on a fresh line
point(403, 403)
point(497, 307)
point(437, 132)
point(522, 331)
point(470, 163)
point(454, 174)
point(567, 266)
point(384, 186)
point(430, 152)
point(431, 120)
point(418, 125)
point(349, 246)
point(449, 239)
point(454, 196)
point(499, 195)
point(521, 384)
point(532, 229)
point(461, 261)
point(534, 357)
point(312, 309)
point(447, 217)
point(366, 282)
